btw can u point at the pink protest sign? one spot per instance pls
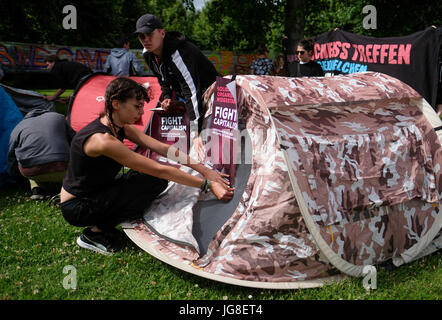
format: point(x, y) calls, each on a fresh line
point(224, 127)
point(172, 128)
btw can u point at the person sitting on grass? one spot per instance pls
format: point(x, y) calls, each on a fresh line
point(94, 195)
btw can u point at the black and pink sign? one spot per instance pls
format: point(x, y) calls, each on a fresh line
point(171, 128)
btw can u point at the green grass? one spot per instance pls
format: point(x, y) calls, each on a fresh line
point(59, 106)
point(36, 244)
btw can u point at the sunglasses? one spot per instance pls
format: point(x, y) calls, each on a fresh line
point(300, 52)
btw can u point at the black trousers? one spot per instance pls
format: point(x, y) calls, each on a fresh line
point(125, 199)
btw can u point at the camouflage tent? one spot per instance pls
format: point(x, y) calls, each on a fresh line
point(345, 172)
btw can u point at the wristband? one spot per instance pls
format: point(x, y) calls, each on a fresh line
point(208, 186)
point(205, 186)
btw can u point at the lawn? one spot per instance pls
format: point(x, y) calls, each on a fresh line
point(37, 245)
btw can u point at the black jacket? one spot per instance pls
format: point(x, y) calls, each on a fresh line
point(69, 73)
point(184, 69)
point(309, 69)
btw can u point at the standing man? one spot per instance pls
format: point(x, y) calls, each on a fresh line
point(122, 62)
point(305, 67)
point(262, 65)
point(66, 73)
point(179, 66)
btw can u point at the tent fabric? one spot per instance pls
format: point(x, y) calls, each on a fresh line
point(372, 170)
point(27, 100)
point(171, 214)
point(345, 173)
point(88, 101)
point(185, 216)
point(10, 116)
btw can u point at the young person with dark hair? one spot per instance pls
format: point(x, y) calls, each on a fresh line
point(262, 65)
point(67, 74)
point(305, 67)
point(93, 192)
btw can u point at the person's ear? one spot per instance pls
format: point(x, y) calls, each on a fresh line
point(163, 33)
point(115, 105)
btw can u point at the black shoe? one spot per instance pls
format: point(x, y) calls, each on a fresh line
point(55, 200)
point(37, 193)
point(100, 242)
point(116, 234)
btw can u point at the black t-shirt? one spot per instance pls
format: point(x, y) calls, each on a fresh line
point(309, 69)
point(85, 174)
point(68, 73)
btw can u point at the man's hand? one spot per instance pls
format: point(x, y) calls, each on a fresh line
point(50, 98)
point(64, 99)
point(57, 93)
point(173, 105)
point(165, 104)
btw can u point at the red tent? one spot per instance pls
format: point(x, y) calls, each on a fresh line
point(88, 101)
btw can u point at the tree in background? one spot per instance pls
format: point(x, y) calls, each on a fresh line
point(394, 17)
point(99, 22)
point(221, 25)
point(240, 25)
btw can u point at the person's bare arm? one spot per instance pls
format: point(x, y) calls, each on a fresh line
point(57, 93)
point(107, 145)
point(173, 153)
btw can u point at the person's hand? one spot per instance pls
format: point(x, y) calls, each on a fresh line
point(165, 104)
point(64, 99)
point(50, 98)
point(439, 110)
point(172, 105)
point(199, 148)
point(221, 192)
point(215, 176)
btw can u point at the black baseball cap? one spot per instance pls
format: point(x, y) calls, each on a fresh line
point(148, 23)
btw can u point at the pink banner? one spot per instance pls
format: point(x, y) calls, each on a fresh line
point(224, 127)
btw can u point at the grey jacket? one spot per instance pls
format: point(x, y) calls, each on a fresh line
point(122, 62)
point(41, 137)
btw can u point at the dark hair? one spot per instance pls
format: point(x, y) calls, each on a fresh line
point(262, 49)
point(121, 89)
point(121, 42)
point(52, 58)
point(307, 44)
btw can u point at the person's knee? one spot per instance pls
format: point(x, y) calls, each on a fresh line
point(79, 213)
